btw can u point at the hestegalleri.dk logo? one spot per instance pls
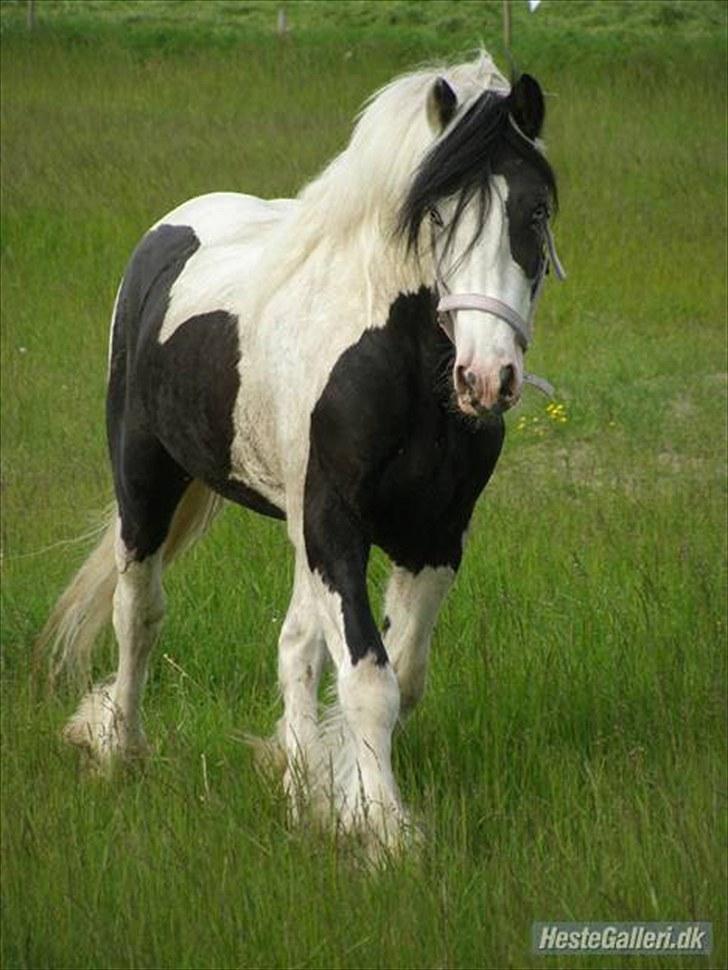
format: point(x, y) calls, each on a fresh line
point(623, 938)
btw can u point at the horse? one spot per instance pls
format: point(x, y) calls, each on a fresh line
point(342, 362)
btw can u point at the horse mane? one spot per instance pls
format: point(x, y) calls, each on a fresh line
point(357, 200)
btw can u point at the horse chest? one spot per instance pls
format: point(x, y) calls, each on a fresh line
point(384, 439)
point(418, 504)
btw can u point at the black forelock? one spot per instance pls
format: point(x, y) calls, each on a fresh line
point(462, 164)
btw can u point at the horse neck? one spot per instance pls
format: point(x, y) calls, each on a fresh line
point(385, 270)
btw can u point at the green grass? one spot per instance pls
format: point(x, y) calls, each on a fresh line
point(568, 761)
point(573, 30)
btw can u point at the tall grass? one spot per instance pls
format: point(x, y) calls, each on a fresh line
point(569, 758)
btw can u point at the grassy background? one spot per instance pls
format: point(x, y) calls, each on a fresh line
point(569, 759)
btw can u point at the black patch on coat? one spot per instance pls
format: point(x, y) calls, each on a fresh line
point(336, 546)
point(527, 208)
point(169, 406)
point(392, 463)
point(190, 385)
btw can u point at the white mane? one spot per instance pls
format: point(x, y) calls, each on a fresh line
point(355, 201)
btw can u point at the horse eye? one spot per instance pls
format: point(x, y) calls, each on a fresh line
point(436, 218)
point(539, 215)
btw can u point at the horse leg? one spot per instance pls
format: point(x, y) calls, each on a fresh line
point(358, 779)
point(301, 656)
point(149, 486)
point(412, 603)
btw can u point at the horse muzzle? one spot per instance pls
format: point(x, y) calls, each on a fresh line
point(490, 382)
point(491, 390)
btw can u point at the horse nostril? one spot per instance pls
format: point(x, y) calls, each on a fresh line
point(465, 379)
point(507, 377)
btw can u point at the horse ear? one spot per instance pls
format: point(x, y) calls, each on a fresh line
point(527, 106)
point(442, 103)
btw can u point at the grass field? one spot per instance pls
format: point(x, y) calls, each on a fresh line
point(568, 761)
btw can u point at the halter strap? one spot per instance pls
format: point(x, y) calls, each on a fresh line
point(553, 255)
point(497, 308)
point(559, 270)
point(489, 304)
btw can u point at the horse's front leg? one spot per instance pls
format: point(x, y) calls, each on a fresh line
point(301, 656)
point(412, 603)
point(358, 777)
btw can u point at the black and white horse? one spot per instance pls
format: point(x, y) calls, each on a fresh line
point(286, 355)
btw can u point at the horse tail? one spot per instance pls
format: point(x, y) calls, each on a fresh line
point(82, 610)
point(85, 606)
point(192, 518)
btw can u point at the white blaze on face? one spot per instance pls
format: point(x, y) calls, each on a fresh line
point(488, 370)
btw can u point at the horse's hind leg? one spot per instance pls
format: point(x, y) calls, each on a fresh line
point(149, 487)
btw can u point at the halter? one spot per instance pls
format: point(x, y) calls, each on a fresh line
point(521, 327)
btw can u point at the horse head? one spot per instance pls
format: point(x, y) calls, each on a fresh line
point(487, 193)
